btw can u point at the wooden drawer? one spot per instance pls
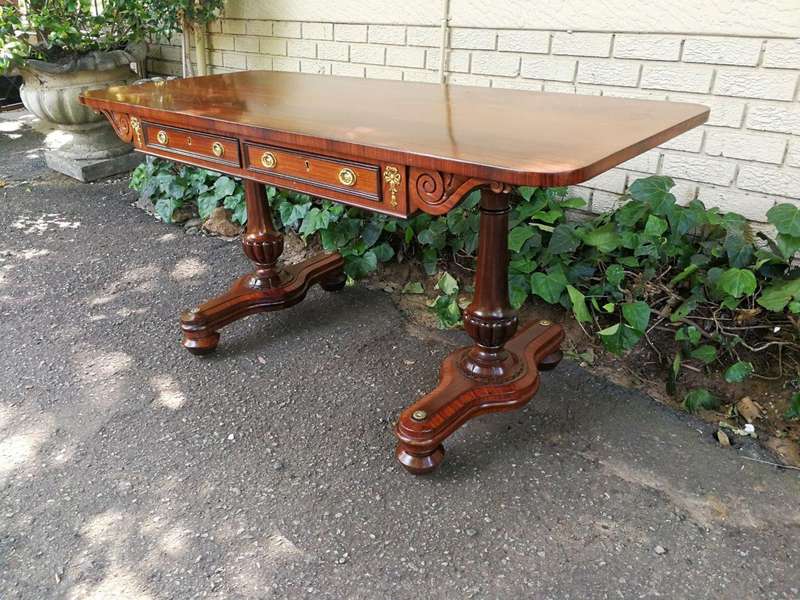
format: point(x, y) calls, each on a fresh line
point(352, 178)
point(183, 142)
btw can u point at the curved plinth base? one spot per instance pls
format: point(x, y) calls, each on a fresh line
point(424, 425)
point(249, 295)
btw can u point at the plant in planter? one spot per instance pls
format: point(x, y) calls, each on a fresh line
point(63, 47)
point(189, 16)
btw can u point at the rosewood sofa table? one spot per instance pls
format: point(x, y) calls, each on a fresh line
point(394, 148)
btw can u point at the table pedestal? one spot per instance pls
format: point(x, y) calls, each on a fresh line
point(500, 371)
point(268, 288)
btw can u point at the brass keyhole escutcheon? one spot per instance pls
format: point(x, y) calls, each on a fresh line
point(307, 164)
point(162, 137)
point(218, 149)
point(268, 160)
point(188, 141)
point(347, 177)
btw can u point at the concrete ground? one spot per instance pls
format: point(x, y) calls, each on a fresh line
point(131, 469)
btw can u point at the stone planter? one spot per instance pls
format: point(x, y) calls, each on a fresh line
point(82, 143)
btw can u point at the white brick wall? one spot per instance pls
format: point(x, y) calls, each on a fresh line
point(746, 158)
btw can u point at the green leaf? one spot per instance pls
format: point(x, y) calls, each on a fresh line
point(655, 226)
point(518, 289)
point(778, 295)
point(236, 204)
point(563, 239)
point(315, 220)
point(737, 282)
point(359, 267)
point(688, 333)
point(619, 337)
point(206, 203)
point(685, 309)
point(603, 238)
point(526, 192)
point(700, 398)
point(637, 315)
point(787, 245)
point(786, 218)
point(687, 272)
point(705, 353)
point(654, 191)
point(548, 216)
point(548, 286)
point(413, 287)
point(794, 407)
point(523, 265)
point(291, 213)
point(224, 186)
point(579, 308)
point(447, 311)
point(738, 372)
point(165, 207)
point(674, 374)
point(430, 258)
point(447, 284)
point(371, 233)
point(518, 236)
point(739, 250)
point(383, 252)
point(572, 203)
point(615, 274)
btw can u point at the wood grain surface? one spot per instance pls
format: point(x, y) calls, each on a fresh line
point(509, 136)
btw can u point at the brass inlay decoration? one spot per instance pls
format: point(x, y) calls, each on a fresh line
point(347, 177)
point(162, 137)
point(392, 178)
point(419, 415)
point(218, 149)
point(137, 129)
point(268, 160)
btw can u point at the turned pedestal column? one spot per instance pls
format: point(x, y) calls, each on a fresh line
point(500, 371)
point(269, 287)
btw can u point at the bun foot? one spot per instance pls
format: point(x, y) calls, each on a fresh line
point(201, 345)
point(551, 361)
point(420, 464)
point(333, 282)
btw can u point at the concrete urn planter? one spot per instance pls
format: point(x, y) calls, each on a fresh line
point(82, 143)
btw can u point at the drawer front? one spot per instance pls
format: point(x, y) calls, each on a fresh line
point(352, 178)
point(190, 143)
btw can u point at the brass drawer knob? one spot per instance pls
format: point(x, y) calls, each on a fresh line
point(162, 137)
point(268, 160)
point(347, 177)
point(218, 149)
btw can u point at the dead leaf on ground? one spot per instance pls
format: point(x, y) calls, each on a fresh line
point(745, 315)
point(3, 183)
point(748, 410)
point(787, 449)
point(723, 439)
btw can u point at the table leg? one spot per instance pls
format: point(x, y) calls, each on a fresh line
point(269, 287)
point(500, 371)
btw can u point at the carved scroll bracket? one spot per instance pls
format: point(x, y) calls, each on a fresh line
point(127, 128)
point(436, 193)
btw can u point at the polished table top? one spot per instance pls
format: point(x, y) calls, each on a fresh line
point(511, 136)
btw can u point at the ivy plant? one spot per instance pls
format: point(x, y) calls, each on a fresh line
point(701, 274)
point(170, 187)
